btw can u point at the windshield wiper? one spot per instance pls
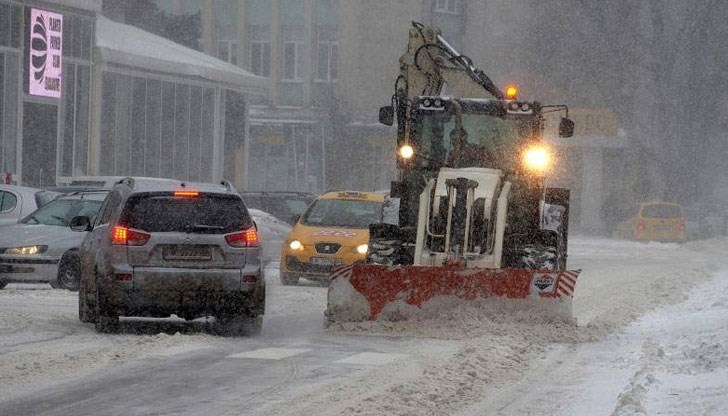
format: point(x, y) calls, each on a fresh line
point(61, 219)
point(190, 227)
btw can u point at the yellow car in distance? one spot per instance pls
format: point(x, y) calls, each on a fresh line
point(334, 230)
point(655, 221)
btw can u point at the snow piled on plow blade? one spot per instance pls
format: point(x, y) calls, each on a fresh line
point(368, 292)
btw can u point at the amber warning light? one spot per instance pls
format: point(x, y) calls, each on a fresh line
point(511, 92)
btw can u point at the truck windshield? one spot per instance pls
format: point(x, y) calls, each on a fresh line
point(498, 137)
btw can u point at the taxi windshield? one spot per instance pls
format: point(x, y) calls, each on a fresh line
point(345, 213)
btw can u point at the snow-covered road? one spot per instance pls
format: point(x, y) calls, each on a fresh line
point(652, 340)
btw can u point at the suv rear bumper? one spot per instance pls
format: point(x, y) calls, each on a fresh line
point(160, 292)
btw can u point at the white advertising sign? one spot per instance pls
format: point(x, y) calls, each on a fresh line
point(46, 46)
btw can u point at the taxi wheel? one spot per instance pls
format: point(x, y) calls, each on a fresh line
point(289, 279)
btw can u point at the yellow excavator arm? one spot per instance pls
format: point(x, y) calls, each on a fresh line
point(431, 67)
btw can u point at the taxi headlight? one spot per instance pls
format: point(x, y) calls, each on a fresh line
point(537, 159)
point(295, 245)
point(362, 248)
point(26, 250)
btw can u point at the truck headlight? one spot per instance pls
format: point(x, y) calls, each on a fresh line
point(26, 250)
point(537, 158)
point(406, 151)
point(362, 248)
point(295, 245)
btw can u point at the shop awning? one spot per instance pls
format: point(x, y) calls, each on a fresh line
point(126, 45)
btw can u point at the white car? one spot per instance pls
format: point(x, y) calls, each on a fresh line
point(42, 248)
point(272, 233)
point(18, 201)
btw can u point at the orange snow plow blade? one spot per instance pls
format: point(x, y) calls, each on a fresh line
point(363, 292)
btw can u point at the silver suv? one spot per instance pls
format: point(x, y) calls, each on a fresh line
point(160, 247)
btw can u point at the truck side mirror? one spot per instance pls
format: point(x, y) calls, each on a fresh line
point(566, 127)
point(386, 115)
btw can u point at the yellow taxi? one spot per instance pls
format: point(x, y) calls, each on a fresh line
point(334, 230)
point(655, 221)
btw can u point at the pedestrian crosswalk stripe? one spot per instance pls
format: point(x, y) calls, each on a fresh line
point(370, 358)
point(270, 353)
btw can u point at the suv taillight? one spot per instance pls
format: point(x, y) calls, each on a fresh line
point(125, 236)
point(641, 226)
point(245, 238)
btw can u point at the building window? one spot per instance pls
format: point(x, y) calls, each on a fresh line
point(227, 50)
point(152, 127)
point(260, 58)
point(446, 6)
point(328, 60)
point(9, 79)
point(293, 61)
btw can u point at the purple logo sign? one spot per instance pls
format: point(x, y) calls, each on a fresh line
point(46, 46)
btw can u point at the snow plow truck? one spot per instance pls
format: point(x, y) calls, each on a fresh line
point(470, 216)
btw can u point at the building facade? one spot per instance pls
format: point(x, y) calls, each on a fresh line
point(332, 63)
point(83, 95)
point(44, 132)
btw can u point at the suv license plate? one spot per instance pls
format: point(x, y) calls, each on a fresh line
point(325, 261)
point(184, 252)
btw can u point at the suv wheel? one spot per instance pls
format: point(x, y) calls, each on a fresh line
point(86, 311)
point(105, 322)
point(68, 272)
point(289, 279)
point(239, 325)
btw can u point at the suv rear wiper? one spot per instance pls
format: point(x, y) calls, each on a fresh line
point(190, 227)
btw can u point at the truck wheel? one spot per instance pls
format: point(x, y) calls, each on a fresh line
point(69, 272)
point(384, 251)
point(289, 279)
point(537, 257)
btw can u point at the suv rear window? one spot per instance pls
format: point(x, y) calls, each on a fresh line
point(204, 214)
point(661, 211)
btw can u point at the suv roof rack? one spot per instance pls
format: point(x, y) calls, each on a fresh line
point(126, 181)
point(228, 185)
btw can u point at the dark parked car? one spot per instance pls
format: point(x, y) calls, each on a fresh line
point(706, 220)
point(286, 206)
point(160, 247)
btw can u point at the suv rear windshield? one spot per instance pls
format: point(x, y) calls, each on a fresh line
point(204, 214)
point(661, 211)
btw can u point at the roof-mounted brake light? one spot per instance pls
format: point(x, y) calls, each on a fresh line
point(187, 194)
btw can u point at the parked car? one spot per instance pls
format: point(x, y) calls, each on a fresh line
point(334, 230)
point(162, 247)
point(18, 201)
point(41, 248)
point(655, 221)
point(272, 234)
point(705, 220)
point(286, 206)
